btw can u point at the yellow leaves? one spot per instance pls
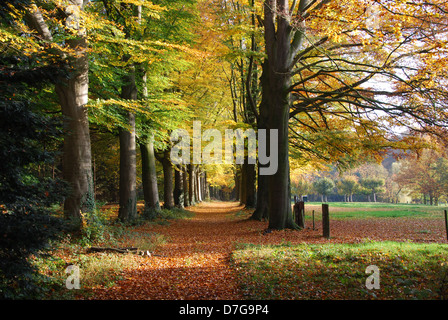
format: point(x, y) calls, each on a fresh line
point(194, 52)
point(146, 106)
point(146, 4)
point(220, 175)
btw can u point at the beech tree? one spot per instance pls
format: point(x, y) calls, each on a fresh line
point(73, 97)
point(326, 61)
point(136, 57)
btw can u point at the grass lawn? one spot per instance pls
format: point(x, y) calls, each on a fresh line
point(407, 269)
point(342, 210)
point(338, 271)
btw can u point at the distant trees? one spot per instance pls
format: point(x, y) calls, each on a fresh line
point(425, 175)
point(323, 187)
point(372, 187)
point(421, 177)
point(347, 186)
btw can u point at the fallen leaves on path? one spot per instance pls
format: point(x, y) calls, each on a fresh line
point(195, 263)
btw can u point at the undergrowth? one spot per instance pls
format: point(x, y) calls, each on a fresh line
point(102, 269)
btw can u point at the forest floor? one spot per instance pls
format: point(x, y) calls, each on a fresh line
point(195, 262)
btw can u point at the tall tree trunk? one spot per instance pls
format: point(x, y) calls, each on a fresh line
point(178, 188)
point(73, 95)
point(168, 171)
point(198, 184)
point(149, 173)
point(237, 178)
point(191, 193)
point(250, 185)
point(243, 184)
point(280, 213)
point(261, 212)
point(128, 172)
point(128, 156)
point(149, 177)
point(281, 43)
point(185, 186)
point(206, 187)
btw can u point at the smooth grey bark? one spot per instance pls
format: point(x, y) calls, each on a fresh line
point(191, 184)
point(149, 177)
point(36, 21)
point(178, 188)
point(206, 187)
point(242, 184)
point(128, 173)
point(197, 184)
point(73, 96)
point(249, 185)
point(261, 212)
point(128, 156)
point(185, 186)
point(149, 173)
point(168, 171)
point(282, 43)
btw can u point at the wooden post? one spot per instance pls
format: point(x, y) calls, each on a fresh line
point(325, 221)
point(313, 220)
point(446, 223)
point(299, 209)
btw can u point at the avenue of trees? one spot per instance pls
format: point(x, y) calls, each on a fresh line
point(336, 79)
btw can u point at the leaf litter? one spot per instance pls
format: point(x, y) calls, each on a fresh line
point(195, 263)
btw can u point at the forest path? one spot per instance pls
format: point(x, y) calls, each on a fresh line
point(195, 261)
point(195, 264)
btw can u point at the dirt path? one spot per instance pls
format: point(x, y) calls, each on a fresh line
point(195, 261)
point(194, 264)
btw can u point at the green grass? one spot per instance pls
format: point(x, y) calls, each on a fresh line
point(379, 214)
point(338, 271)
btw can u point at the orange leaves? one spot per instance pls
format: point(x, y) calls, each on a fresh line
point(195, 262)
point(192, 265)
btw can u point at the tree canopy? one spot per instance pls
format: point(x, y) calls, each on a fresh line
point(339, 83)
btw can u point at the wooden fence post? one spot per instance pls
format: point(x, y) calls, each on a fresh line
point(313, 220)
point(325, 221)
point(446, 224)
point(299, 212)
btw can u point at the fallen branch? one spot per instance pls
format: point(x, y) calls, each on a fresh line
point(119, 250)
point(122, 250)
